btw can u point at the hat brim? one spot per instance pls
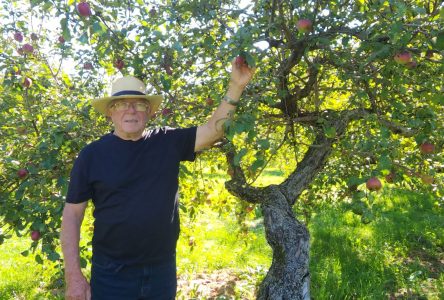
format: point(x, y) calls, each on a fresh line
point(101, 104)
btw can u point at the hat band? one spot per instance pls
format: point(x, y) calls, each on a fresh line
point(128, 93)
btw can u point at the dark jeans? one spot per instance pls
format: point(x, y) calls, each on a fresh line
point(111, 280)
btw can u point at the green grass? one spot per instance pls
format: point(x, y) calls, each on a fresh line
point(398, 255)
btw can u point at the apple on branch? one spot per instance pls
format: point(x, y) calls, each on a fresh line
point(18, 36)
point(27, 82)
point(427, 148)
point(22, 173)
point(28, 48)
point(403, 58)
point(304, 25)
point(374, 184)
point(35, 235)
point(84, 9)
point(119, 64)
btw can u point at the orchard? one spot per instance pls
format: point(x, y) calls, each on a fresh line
point(349, 94)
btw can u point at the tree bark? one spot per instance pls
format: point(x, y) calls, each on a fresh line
point(288, 277)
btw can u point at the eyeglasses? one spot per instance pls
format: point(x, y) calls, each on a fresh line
point(138, 106)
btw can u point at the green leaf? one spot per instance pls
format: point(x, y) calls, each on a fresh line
point(330, 132)
point(439, 42)
point(384, 163)
point(263, 144)
point(84, 38)
point(258, 163)
point(438, 99)
point(39, 259)
point(239, 155)
point(166, 82)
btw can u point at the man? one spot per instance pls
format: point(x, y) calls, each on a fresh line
point(131, 175)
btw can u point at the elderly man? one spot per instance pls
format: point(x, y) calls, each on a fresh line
point(131, 176)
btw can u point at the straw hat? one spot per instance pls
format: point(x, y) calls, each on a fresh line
point(127, 87)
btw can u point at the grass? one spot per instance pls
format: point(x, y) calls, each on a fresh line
point(399, 255)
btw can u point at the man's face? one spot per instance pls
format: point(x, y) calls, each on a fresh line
point(129, 117)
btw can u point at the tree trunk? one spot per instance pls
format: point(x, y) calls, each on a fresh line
point(288, 277)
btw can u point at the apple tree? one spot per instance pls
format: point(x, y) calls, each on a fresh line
point(348, 93)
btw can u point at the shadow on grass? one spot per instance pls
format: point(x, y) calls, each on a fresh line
point(399, 255)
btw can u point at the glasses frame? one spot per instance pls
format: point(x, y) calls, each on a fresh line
point(125, 105)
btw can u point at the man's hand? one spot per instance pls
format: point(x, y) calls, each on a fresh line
point(241, 73)
point(77, 288)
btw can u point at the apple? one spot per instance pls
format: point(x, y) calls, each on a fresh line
point(153, 12)
point(119, 64)
point(35, 235)
point(61, 40)
point(166, 111)
point(34, 37)
point(411, 64)
point(28, 48)
point(22, 130)
point(427, 179)
point(27, 82)
point(390, 177)
point(87, 66)
point(427, 148)
point(429, 53)
point(240, 61)
point(403, 58)
point(304, 25)
point(168, 70)
point(84, 9)
point(18, 36)
point(22, 173)
point(374, 184)
point(209, 101)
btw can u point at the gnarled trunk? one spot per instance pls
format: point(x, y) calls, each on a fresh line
point(288, 277)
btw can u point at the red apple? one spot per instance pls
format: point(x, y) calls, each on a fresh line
point(168, 70)
point(390, 177)
point(427, 148)
point(22, 173)
point(18, 36)
point(209, 101)
point(427, 179)
point(27, 82)
point(374, 184)
point(411, 64)
point(119, 64)
point(166, 111)
point(429, 53)
point(304, 25)
point(240, 61)
point(87, 66)
point(61, 40)
point(84, 9)
point(35, 235)
point(28, 48)
point(403, 58)
point(34, 37)
point(153, 12)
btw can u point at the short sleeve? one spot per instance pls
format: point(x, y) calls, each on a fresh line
point(189, 142)
point(79, 189)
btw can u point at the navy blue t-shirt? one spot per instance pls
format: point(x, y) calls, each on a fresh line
point(134, 186)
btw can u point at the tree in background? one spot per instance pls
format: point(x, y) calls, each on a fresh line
point(348, 93)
